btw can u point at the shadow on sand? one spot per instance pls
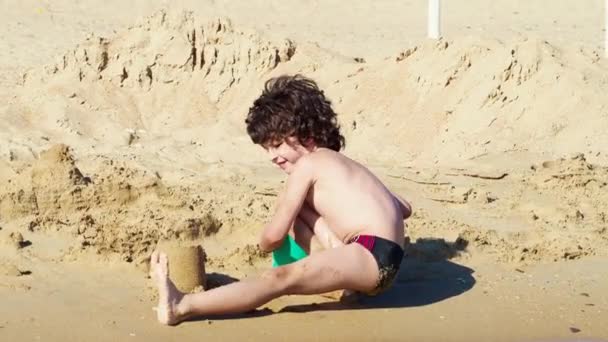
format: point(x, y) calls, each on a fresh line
point(426, 276)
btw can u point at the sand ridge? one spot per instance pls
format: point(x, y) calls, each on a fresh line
point(162, 47)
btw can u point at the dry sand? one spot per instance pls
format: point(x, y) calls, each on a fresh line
point(121, 124)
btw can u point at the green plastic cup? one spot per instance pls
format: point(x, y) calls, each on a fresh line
point(289, 252)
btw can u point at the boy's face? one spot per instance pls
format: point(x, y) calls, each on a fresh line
point(285, 153)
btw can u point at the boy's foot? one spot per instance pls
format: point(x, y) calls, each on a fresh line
point(343, 296)
point(349, 297)
point(335, 295)
point(168, 295)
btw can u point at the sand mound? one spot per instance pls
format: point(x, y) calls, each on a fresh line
point(169, 48)
point(120, 208)
point(554, 210)
point(450, 101)
point(168, 73)
point(440, 102)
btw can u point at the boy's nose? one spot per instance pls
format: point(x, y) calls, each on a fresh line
point(277, 159)
point(272, 154)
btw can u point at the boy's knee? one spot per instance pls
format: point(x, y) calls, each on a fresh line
point(283, 278)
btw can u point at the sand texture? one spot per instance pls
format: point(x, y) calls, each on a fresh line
point(122, 126)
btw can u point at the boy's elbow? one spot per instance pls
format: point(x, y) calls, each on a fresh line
point(265, 246)
point(269, 243)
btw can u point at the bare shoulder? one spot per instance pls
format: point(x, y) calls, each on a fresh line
point(324, 157)
point(330, 165)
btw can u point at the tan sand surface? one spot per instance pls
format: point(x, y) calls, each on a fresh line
point(121, 124)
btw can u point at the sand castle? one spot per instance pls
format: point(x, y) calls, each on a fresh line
point(186, 265)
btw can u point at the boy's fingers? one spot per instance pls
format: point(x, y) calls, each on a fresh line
point(153, 262)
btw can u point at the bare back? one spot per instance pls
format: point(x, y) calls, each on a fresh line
point(352, 200)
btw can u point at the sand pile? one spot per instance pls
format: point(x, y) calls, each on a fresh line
point(168, 73)
point(119, 208)
point(554, 210)
point(169, 48)
point(442, 102)
point(450, 101)
point(153, 117)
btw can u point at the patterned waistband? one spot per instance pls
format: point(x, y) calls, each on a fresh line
point(367, 241)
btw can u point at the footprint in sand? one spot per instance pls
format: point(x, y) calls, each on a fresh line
point(11, 270)
point(14, 239)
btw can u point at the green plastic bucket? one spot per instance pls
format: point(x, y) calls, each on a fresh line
point(289, 252)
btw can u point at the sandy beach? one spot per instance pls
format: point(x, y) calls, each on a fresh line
point(122, 124)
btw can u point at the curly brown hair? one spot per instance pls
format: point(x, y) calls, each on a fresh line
point(293, 106)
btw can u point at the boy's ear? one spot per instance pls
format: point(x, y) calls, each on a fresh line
point(309, 142)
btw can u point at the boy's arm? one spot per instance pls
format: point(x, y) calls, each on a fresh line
point(405, 206)
point(298, 183)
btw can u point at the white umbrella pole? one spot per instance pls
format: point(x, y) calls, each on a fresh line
point(606, 29)
point(434, 15)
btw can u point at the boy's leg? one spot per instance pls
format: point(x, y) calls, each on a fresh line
point(310, 224)
point(305, 237)
point(309, 230)
point(346, 267)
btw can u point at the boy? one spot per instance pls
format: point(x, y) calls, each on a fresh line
point(329, 200)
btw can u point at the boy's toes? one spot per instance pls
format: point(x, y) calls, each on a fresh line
point(163, 264)
point(153, 263)
point(154, 257)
